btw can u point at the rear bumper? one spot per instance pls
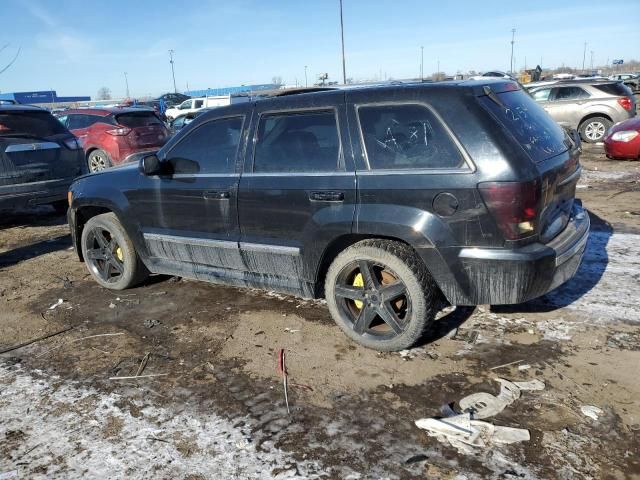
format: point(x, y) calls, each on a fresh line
point(501, 276)
point(31, 194)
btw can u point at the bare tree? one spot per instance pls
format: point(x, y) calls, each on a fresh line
point(104, 93)
point(277, 80)
point(12, 61)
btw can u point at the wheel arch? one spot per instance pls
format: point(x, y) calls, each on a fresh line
point(83, 214)
point(594, 115)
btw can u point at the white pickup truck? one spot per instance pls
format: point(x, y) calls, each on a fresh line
point(195, 104)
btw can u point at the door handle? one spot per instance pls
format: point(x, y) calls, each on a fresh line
point(217, 195)
point(327, 196)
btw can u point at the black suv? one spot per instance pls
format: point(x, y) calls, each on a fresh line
point(385, 200)
point(39, 158)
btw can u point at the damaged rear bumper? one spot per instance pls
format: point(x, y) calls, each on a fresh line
point(501, 276)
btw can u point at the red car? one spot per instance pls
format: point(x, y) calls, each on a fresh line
point(623, 140)
point(111, 136)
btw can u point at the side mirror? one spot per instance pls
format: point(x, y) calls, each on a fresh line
point(150, 165)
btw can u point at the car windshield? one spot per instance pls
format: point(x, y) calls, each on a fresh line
point(33, 124)
point(143, 119)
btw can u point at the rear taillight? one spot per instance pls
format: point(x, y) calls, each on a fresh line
point(626, 103)
point(513, 205)
point(120, 131)
point(4, 128)
point(73, 144)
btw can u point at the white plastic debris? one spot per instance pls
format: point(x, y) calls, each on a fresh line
point(112, 305)
point(526, 366)
point(466, 435)
point(485, 405)
point(57, 304)
point(591, 411)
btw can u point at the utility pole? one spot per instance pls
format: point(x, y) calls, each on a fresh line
point(584, 55)
point(126, 81)
point(305, 77)
point(344, 68)
point(513, 37)
point(591, 61)
point(421, 64)
point(173, 73)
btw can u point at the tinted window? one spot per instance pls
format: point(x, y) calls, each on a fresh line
point(143, 119)
point(210, 148)
point(76, 121)
point(569, 93)
point(527, 121)
point(198, 103)
point(617, 89)
point(406, 136)
point(297, 142)
point(39, 124)
point(541, 95)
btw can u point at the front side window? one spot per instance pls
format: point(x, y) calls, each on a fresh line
point(298, 142)
point(569, 93)
point(186, 104)
point(199, 103)
point(541, 95)
point(406, 136)
point(210, 148)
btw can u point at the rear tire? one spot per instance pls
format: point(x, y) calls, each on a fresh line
point(98, 160)
point(594, 129)
point(387, 309)
point(110, 255)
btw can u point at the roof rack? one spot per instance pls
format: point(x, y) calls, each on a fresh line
point(297, 91)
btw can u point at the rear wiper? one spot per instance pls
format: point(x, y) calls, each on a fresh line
point(491, 94)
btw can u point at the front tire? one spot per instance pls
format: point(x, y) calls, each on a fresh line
point(381, 295)
point(98, 160)
point(594, 129)
point(109, 253)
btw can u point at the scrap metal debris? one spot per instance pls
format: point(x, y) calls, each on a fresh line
point(591, 411)
point(57, 304)
point(29, 342)
point(150, 323)
point(282, 369)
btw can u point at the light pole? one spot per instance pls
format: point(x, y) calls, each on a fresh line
point(126, 81)
point(305, 77)
point(592, 61)
point(584, 55)
point(421, 63)
point(513, 37)
point(344, 68)
point(173, 73)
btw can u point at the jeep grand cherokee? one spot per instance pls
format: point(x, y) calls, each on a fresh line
point(382, 199)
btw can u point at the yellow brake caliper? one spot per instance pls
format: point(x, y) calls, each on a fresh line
point(358, 281)
point(119, 254)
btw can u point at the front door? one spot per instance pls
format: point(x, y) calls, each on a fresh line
point(298, 191)
point(189, 214)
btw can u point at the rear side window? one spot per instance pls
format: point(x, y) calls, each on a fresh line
point(198, 103)
point(569, 93)
point(210, 148)
point(527, 121)
point(37, 124)
point(406, 136)
point(618, 89)
point(133, 120)
point(297, 142)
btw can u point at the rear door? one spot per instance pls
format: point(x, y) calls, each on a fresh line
point(298, 189)
point(32, 148)
point(567, 104)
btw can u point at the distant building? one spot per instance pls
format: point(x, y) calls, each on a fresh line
point(48, 96)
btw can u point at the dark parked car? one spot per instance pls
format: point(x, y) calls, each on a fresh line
point(385, 200)
point(111, 136)
point(39, 158)
point(172, 99)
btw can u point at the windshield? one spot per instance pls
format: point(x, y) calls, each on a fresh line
point(531, 126)
point(35, 124)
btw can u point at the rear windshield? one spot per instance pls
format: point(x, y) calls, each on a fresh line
point(36, 124)
point(618, 89)
point(527, 121)
point(142, 119)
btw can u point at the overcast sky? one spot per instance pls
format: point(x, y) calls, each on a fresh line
point(78, 46)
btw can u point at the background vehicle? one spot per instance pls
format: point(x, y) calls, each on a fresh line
point(195, 104)
point(182, 121)
point(589, 106)
point(631, 80)
point(623, 140)
point(171, 99)
point(39, 158)
point(385, 214)
point(8, 102)
point(110, 135)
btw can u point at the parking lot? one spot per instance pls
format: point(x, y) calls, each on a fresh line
point(208, 397)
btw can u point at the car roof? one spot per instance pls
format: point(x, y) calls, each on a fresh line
point(569, 83)
point(104, 111)
point(21, 108)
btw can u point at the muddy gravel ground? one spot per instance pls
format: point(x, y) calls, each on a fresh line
point(209, 402)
